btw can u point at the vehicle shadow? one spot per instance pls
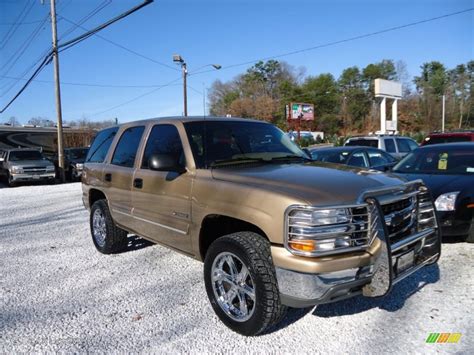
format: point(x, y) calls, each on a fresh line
point(391, 303)
point(452, 240)
point(136, 243)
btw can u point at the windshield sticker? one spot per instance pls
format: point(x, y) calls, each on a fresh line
point(443, 161)
point(470, 170)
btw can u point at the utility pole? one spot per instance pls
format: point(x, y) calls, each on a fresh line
point(444, 111)
point(204, 99)
point(58, 92)
point(185, 88)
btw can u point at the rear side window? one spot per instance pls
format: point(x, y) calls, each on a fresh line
point(163, 139)
point(101, 144)
point(403, 145)
point(358, 159)
point(374, 143)
point(127, 147)
point(379, 158)
point(389, 145)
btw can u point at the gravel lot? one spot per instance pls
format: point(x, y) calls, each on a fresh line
point(57, 293)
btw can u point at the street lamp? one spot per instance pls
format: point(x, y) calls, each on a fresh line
point(179, 60)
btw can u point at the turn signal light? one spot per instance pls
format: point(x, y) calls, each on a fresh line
point(302, 245)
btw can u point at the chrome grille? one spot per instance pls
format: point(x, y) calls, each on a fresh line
point(400, 218)
point(34, 169)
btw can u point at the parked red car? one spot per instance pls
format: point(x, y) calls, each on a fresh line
point(449, 137)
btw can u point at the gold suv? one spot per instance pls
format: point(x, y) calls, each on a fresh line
point(273, 228)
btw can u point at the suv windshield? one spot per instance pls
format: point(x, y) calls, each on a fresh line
point(446, 161)
point(79, 153)
point(220, 142)
point(19, 155)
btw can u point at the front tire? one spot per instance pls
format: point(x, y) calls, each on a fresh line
point(470, 236)
point(241, 283)
point(10, 181)
point(107, 237)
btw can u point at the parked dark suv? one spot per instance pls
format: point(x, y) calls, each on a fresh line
point(449, 137)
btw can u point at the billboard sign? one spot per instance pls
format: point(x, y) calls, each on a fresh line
point(302, 111)
point(387, 88)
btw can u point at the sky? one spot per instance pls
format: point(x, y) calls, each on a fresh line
point(224, 32)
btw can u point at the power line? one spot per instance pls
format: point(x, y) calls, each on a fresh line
point(19, 23)
point(333, 43)
point(24, 46)
point(122, 46)
point(68, 31)
point(87, 84)
point(71, 43)
point(95, 11)
point(11, 32)
point(136, 98)
point(45, 62)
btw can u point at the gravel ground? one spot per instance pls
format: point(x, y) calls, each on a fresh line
point(58, 294)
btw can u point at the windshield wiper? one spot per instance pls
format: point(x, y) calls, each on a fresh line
point(289, 157)
point(242, 160)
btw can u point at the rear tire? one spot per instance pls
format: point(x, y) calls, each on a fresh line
point(241, 283)
point(107, 237)
point(470, 236)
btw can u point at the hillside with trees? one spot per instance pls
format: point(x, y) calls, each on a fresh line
point(346, 105)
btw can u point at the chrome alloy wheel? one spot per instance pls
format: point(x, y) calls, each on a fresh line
point(233, 287)
point(99, 227)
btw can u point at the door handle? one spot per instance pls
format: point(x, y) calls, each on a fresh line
point(138, 183)
point(108, 177)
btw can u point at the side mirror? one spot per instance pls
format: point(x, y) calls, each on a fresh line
point(165, 162)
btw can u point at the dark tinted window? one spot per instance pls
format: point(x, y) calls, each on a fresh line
point(374, 143)
point(127, 146)
point(379, 158)
point(446, 139)
point(389, 145)
point(163, 139)
point(79, 153)
point(101, 144)
point(404, 145)
point(358, 159)
point(330, 156)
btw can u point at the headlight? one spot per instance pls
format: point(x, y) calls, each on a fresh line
point(50, 168)
point(16, 170)
point(314, 231)
point(447, 201)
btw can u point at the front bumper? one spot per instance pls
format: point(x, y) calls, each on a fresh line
point(32, 177)
point(454, 223)
point(305, 282)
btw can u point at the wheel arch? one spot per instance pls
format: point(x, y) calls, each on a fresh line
point(95, 195)
point(214, 226)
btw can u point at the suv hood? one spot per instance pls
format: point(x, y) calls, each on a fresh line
point(316, 183)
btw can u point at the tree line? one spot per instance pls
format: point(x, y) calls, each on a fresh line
point(346, 105)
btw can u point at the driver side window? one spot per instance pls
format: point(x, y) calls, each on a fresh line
point(163, 139)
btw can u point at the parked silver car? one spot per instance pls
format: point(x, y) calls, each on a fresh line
point(396, 146)
point(22, 165)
